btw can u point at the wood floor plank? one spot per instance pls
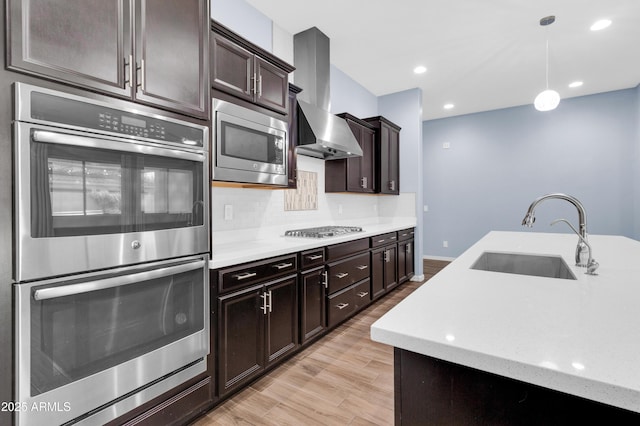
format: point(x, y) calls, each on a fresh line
point(342, 379)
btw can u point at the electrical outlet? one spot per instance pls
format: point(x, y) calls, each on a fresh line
point(228, 212)
point(445, 243)
point(446, 145)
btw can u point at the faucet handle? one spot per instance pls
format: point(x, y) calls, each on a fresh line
point(592, 266)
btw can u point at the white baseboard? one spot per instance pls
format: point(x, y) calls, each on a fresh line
point(448, 259)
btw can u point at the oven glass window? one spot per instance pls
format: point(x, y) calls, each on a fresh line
point(90, 191)
point(78, 335)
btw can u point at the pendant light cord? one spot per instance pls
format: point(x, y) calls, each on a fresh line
point(547, 67)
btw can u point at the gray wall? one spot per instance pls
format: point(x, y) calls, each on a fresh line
point(499, 161)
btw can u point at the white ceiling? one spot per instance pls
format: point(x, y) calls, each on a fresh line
point(480, 54)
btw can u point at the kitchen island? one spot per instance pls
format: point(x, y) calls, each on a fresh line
point(481, 347)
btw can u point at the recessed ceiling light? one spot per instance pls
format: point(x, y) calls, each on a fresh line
point(420, 69)
point(448, 106)
point(600, 25)
point(575, 84)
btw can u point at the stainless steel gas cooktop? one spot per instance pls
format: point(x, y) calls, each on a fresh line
point(322, 231)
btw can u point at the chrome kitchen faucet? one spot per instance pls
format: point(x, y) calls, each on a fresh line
point(583, 249)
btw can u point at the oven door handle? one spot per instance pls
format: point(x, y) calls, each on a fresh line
point(86, 287)
point(47, 136)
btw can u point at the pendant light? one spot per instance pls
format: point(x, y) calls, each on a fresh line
point(548, 99)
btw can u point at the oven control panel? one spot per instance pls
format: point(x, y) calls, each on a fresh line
point(60, 108)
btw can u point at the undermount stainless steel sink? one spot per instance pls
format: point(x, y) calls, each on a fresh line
point(524, 264)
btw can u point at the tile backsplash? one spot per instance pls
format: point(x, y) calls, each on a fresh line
point(305, 196)
point(256, 208)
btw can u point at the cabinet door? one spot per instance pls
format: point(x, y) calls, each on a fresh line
point(272, 86)
point(281, 329)
point(81, 42)
point(240, 337)
point(390, 267)
point(410, 261)
point(367, 161)
point(377, 273)
point(172, 66)
point(402, 262)
point(231, 68)
point(354, 165)
point(312, 304)
point(394, 162)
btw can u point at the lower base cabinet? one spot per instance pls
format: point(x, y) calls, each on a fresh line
point(384, 275)
point(257, 326)
point(406, 263)
point(313, 318)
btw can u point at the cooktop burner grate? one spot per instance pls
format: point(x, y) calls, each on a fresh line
point(322, 231)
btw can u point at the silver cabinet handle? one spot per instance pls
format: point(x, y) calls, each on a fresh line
point(325, 282)
point(254, 84)
point(314, 257)
point(270, 301)
point(264, 296)
point(86, 287)
point(362, 294)
point(129, 77)
point(341, 275)
point(244, 276)
point(259, 85)
point(392, 185)
point(283, 265)
point(381, 241)
point(341, 306)
point(362, 267)
point(404, 235)
point(387, 256)
point(364, 182)
point(393, 238)
point(140, 81)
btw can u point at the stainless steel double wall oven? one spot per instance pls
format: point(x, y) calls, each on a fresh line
point(111, 247)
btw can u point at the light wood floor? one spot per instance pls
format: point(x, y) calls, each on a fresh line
point(343, 379)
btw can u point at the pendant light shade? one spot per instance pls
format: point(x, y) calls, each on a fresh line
point(548, 99)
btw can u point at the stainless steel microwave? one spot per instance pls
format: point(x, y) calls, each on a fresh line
point(250, 147)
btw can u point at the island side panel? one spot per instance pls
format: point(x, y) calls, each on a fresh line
point(435, 392)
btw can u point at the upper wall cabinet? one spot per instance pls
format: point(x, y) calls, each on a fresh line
point(387, 155)
point(355, 174)
point(247, 71)
point(155, 52)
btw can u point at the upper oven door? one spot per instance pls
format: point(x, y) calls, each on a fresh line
point(248, 144)
point(86, 202)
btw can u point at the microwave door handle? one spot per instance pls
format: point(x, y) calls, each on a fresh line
point(47, 136)
point(73, 289)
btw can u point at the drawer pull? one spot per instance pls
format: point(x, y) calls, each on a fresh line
point(362, 293)
point(342, 275)
point(325, 280)
point(393, 238)
point(341, 306)
point(362, 267)
point(283, 265)
point(314, 257)
point(244, 276)
point(404, 235)
point(381, 241)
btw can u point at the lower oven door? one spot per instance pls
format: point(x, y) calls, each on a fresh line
point(95, 346)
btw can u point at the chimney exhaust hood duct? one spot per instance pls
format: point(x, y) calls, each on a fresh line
point(320, 133)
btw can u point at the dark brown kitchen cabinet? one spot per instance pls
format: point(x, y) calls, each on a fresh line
point(355, 174)
point(313, 321)
point(154, 52)
point(387, 155)
point(247, 71)
point(257, 326)
point(292, 158)
point(383, 270)
point(406, 262)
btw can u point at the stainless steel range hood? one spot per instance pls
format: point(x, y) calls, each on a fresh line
point(320, 133)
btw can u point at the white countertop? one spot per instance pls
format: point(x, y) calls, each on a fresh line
point(579, 336)
point(228, 250)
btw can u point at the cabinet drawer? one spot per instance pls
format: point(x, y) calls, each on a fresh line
point(250, 273)
point(380, 240)
point(406, 234)
point(349, 271)
point(362, 294)
point(340, 306)
point(311, 258)
point(338, 251)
